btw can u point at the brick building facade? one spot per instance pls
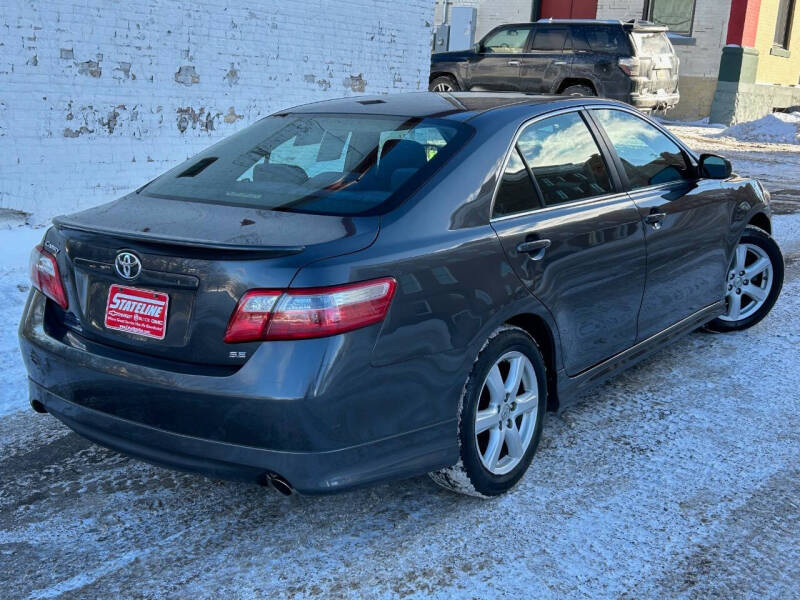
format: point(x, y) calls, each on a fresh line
point(97, 98)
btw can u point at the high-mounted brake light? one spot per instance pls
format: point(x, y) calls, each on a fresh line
point(45, 276)
point(310, 312)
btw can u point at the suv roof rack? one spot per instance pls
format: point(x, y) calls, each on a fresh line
point(600, 21)
point(633, 24)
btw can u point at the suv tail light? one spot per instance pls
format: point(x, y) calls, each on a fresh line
point(45, 276)
point(309, 313)
point(630, 66)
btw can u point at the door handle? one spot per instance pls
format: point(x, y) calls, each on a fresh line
point(655, 219)
point(560, 63)
point(536, 249)
point(513, 63)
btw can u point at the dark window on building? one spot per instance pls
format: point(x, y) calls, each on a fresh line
point(550, 38)
point(564, 159)
point(678, 15)
point(783, 28)
point(516, 193)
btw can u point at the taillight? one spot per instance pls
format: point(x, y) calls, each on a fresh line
point(45, 276)
point(310, 312)
point(630, 66)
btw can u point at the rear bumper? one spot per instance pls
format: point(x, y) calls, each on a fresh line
point(318, 425)
point(308, 472)
point(655, 101)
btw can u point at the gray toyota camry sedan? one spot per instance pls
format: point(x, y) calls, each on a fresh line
point(378, 287)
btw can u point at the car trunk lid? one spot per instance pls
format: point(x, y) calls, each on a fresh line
point(222, 252)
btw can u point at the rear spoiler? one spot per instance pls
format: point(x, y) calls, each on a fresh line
point(64, 222)
point(639, 25)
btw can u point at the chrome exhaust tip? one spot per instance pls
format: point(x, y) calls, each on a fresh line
point(278, 482)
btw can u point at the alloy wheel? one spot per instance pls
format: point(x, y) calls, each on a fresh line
point(507, 411)
point(443, 87)
point(749, 282)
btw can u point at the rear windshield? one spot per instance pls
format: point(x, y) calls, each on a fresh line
point(650, 44)
point(317, 163)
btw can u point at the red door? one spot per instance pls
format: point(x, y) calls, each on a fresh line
point(569, 9)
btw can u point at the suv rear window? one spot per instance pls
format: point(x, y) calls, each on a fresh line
point(597, 38)
point(652, 43)
point(338, 164)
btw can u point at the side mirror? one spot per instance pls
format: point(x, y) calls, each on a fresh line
point(715, 167)
point(477, 48)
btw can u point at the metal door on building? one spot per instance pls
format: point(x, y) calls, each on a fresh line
point(568, 9)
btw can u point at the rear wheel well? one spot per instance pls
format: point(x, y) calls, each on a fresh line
point(761, 221)
point(575, 81)
point(538, 329)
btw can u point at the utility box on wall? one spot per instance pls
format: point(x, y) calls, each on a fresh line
point(441, 38)
point(462, 27)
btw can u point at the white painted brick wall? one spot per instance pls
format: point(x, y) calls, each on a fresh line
point(709, 32)
point(97, 98)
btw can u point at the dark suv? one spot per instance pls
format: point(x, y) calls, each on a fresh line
point(633, 62)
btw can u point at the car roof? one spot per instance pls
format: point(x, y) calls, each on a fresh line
point(454, 105)
point(552, 21)
point(632, 25)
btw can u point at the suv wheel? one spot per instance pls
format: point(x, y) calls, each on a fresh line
point(443, 83)
point(578, 90)
point(500, 416)
point(753, 282)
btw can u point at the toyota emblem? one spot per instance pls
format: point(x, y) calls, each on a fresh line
point(128, 265)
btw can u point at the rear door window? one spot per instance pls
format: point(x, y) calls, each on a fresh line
point(565, 159)
point(549, 38)
point(516, 192)
point(649, 156)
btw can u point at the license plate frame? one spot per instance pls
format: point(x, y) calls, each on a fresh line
point(137, 311)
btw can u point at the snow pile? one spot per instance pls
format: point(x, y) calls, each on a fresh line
point(16, 244)
point(779, 128)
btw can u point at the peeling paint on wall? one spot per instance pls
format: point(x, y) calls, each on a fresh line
point(356, 83)
point(200, 119)
point(187, 75)
point(232, 76)
point(123, 98)
point(123, 71)
point(231, 116)
point(91, 68)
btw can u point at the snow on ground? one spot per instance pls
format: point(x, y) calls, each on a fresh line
point(776, 165)
point(780, 128)
point(678, 479)
point(15, 247)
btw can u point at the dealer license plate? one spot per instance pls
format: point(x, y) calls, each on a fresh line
point(137, 311)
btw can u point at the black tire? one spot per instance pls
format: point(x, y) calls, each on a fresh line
point(760, 238)
point(578, 90)
point(444, 81)
point(469, 475)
